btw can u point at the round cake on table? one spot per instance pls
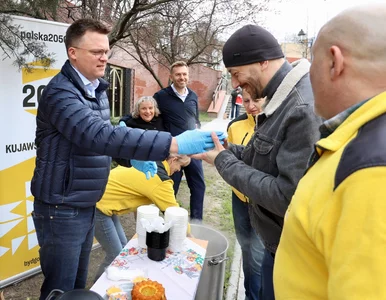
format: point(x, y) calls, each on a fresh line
point(148, 290)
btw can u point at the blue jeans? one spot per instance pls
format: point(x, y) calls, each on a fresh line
point(65, 235)
point(111, 236)
point(196, 183)
point(266, 291)
point(251, 247)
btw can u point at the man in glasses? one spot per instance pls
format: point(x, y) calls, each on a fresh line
point(75, 142)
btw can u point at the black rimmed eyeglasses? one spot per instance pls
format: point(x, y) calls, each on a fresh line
point(98, 53)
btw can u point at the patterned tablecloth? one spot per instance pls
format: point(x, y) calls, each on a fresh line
point(179, 273)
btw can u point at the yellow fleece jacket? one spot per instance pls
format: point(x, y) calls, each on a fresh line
point(128, 188)
point(239, 133)
point(333, 244)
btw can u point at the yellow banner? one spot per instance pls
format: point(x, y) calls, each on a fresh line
point(18, 243)
point(21, 91)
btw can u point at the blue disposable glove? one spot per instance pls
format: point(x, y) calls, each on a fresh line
point(149, 168)
point(196, 141)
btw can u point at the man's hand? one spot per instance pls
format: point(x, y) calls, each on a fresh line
point(196, 141)
point(149, 168)
point(211, 155)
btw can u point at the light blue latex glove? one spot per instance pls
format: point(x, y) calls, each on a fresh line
point(149, 168)
point(196, 141)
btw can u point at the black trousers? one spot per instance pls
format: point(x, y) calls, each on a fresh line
point(195, 178)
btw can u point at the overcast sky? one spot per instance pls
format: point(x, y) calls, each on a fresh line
point(309, 15)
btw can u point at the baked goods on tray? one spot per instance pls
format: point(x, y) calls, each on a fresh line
point(148, 290)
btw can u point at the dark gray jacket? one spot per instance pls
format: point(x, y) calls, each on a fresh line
point(269, 168)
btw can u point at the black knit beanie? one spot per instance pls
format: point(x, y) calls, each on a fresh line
point(250, 44)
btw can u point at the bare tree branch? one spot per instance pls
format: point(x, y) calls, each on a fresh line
point(144, 63)
point(14, 45)
point(161, 31)
point(126, 20)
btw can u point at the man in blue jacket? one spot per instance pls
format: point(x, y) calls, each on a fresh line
point(75, 140)
point(179, 107)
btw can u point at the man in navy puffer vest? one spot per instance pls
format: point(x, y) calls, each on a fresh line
point(75, 140)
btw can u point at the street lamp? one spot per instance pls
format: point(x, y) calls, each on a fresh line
point(304, 41)
point(301, 35)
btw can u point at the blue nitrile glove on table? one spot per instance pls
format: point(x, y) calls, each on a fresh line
point(196, 141)
point(149, 168)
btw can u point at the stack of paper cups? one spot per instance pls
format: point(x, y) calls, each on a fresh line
point(148, 212)
point(179, 216)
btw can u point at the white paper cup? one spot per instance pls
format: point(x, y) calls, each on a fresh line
point(176, 245)
point(142, 240)
point(176, 213)
point(148, 212)
point(178, 232)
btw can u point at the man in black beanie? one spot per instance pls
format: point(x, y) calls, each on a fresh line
point(268, 169)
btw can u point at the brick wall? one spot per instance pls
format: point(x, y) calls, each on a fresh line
point(203, 80)
point(144, 83)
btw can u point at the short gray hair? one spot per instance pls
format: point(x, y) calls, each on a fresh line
point(135, 113)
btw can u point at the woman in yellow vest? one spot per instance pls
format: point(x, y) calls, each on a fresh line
point(240, 131)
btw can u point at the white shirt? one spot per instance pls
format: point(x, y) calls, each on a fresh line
point(181, 96)
point(91, 86)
